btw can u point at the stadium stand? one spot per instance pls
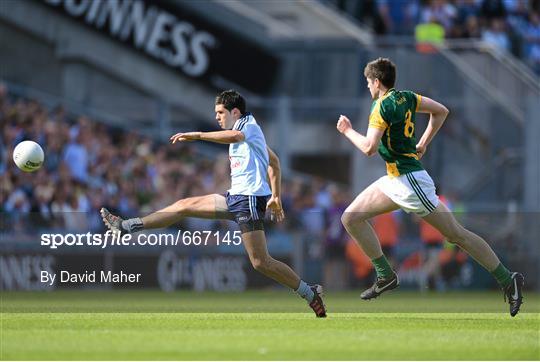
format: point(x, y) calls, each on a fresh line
point(508, 25)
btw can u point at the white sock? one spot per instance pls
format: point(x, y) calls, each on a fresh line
point(132, 225)
point(305, 291)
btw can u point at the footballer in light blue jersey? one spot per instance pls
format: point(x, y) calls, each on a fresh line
point(255, 186)
point(249, 160)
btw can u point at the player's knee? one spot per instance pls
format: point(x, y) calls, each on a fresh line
point(262, 265)
point(179, 206)
point(350, 218)
point(182, 206)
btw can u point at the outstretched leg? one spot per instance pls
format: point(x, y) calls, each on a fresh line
point(211, 206)
point(255, 244)
point(444, 221)
point(205, 207)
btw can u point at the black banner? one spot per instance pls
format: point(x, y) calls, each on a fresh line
point(167, 270)
point(178, 38)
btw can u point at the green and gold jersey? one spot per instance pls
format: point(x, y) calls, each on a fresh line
point(394, 113)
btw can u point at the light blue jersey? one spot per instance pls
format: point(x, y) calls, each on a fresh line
point(249, 160)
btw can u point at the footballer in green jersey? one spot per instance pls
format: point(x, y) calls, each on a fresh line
point(407, 185)
point(395, 114)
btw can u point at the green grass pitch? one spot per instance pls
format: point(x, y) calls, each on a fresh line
point(265, 325)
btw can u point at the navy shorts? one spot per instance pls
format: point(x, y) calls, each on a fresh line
point(248, 211)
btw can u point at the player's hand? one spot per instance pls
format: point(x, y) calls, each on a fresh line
point(185, 137)
point(420, 150)
point(276, 210)
point(343, 124)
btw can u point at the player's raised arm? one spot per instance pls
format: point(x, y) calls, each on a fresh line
point(224, 137)
point(367, 144)
point(438, 113)
point(274, 176)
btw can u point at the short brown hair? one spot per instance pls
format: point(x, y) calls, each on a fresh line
point(231, 99)
point(382, 69)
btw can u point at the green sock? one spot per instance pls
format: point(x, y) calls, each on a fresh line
point(502, 275)
point(382, 267)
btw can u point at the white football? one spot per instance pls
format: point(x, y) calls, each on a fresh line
point(28, 156)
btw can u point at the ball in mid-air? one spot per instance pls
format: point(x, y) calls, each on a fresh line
point(28, 156)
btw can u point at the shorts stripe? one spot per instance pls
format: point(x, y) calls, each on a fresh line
point(255, 207)
point(422, 191)
point(420, 195)
point(252, 208)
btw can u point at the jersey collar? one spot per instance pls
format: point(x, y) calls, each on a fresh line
point(387, 93)
point(244, 117)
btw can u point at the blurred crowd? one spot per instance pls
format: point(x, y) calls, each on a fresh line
point(509, 25)
point(89, 165)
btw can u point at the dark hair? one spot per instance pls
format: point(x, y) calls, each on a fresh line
point(382, 69)
point(231, 99)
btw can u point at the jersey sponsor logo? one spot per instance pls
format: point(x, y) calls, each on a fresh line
point(401, 100)
point(235, 164)
point(235, 161)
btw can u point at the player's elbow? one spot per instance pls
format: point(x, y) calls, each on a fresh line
point(273, 159)
point(441, 110)
point(274, 163)
point(442, 115)
point(445, 111)
point(370, 150)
